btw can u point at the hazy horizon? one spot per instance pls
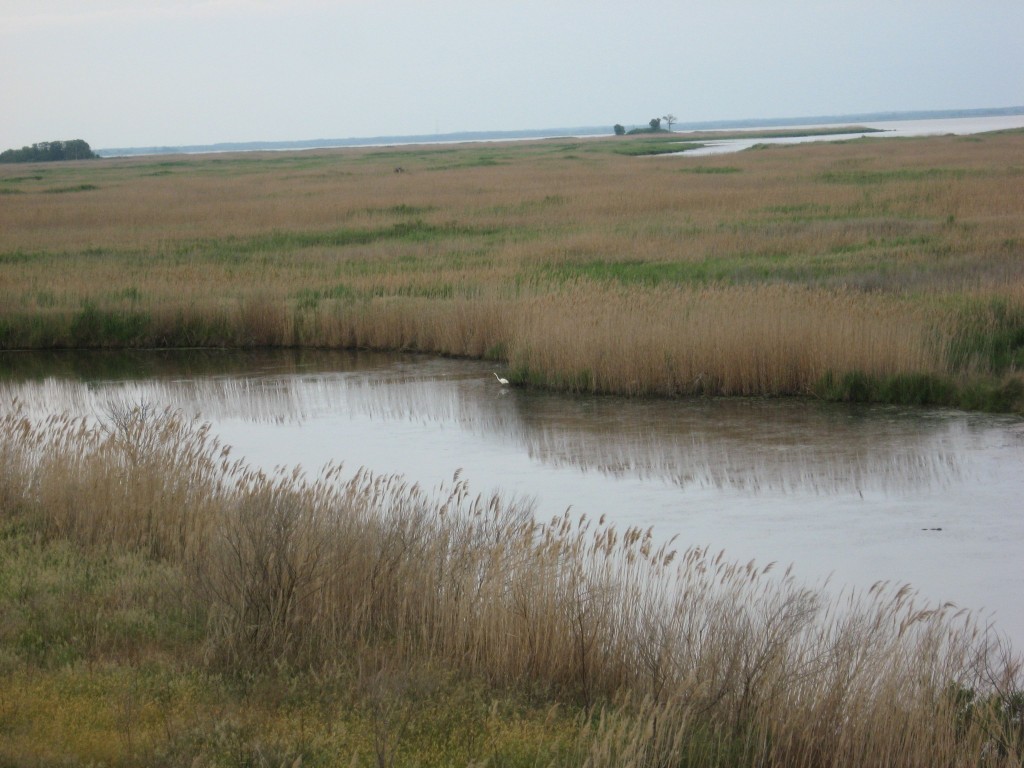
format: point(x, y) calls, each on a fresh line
point(553, 131)
point(118, 73)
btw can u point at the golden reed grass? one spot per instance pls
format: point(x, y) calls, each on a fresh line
point(739, 341)
point(753, 273)
point(680, 657)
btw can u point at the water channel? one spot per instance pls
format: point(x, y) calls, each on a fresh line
point(934, 498)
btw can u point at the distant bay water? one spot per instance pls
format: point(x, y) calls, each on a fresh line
point(972, 120)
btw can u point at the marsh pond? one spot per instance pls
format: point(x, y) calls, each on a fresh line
point(851, 494)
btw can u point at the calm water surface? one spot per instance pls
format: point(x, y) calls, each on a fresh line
point(933, 498)
point(959, 126)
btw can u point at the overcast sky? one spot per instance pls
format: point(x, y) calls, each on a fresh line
point(128, 73)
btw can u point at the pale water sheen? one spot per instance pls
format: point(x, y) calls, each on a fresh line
point(959, 126)
point(933, 498)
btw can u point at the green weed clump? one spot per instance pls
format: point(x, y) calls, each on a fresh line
point(902, 389)
point(990, 337)
point(165, 605)
point(992, 395)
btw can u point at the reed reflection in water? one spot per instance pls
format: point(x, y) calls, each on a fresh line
point(749, 445)
point(852, 491)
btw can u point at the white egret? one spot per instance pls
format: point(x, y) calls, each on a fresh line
point(500, 380)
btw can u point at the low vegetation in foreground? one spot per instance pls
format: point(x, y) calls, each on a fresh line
point(165, 606)
point(874, 269)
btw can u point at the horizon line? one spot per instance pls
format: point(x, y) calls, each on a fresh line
point(591, 130)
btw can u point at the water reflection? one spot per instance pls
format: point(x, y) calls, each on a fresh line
point(750, 445)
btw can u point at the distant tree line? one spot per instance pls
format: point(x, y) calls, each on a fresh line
point(48, 151)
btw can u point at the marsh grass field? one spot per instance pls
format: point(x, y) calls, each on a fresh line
point(868, 269)
point(165, 605)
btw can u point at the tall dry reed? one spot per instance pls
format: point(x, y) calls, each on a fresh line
point(733, 341)
point(683, 656)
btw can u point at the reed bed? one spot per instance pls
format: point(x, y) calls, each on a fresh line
point(668, 657)
point(486, 249)
point(742, 341)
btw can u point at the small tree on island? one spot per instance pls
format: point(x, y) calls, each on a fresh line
point(669, 119)
point(655, 123)
point(620, 130)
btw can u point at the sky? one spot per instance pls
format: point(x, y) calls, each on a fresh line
point(141, 73)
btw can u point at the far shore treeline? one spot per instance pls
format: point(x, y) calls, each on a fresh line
point(49, 151)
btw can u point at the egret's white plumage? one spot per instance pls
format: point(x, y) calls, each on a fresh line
point(500, 380)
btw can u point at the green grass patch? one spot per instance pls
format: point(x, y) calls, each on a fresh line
point(61, 606)
point(711, 169)
point(33, 330)
point(310, 298)
point(73, 188)
point(659, 146)
point(575, 382)
point(994, 396)
point(284, 241)
point(866, 177)
point(260, 162)
point(20, 257)
point(410, 153)
point(403, 209)
point(529, 206)
point(735, 269)
point(444, 158)
point(45, 299)
point(801, 210)
point(633, 272)
point(94, 327)
point(479, 161)
point(990, 337)
point(920, 389)
point(903, 389)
